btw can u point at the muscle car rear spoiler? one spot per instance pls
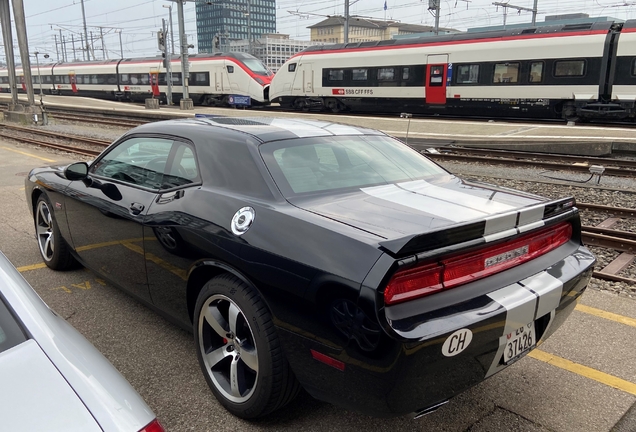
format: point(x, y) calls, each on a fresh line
point(495, 227)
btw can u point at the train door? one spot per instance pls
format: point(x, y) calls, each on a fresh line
point(73, 80)
point(436, 68)
point(307, 75)
point(154, 82)
point(218, 72)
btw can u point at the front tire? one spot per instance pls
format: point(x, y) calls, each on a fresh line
point(53, 248)
point(238, 349)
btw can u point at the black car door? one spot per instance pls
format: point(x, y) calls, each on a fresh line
point(106, 211)
point(169, 228)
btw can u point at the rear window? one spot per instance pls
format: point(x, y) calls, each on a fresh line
point(318, 164)
point(10, 332)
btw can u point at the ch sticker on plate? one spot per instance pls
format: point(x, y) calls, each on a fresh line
point(457, 342)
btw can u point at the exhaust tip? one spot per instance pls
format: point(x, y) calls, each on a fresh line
point(429, 410)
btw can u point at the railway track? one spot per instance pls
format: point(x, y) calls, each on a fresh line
point(119, 121)
point(616, 167)
point(604, 236)
point(42, 138)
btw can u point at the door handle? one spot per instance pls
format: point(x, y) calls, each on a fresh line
point(136, 208)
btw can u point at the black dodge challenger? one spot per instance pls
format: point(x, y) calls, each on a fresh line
point(314, 254)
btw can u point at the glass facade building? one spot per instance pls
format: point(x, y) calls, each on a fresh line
point(234, 20)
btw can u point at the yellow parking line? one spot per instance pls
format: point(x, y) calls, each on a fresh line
point(28, 154)
point(31, 267)
point(585, 371)
point(607, 315)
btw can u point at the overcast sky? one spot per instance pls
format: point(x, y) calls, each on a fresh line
point(140, 19)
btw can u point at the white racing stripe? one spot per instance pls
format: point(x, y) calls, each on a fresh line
point(300, 129)
point(520, 305)
point(541, 294)
point(426, 204)
point(454, 196)
point(549, 290)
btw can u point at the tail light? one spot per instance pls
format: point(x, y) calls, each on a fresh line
point(154, 426)
point(432, 277)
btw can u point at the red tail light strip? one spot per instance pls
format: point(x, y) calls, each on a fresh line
point(432, 277)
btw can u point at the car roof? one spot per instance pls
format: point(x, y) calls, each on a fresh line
point(264, 129)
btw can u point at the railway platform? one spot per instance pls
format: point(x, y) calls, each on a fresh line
point(541, 137)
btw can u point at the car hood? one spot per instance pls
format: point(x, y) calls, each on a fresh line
point(36, 397)
point(417, 207)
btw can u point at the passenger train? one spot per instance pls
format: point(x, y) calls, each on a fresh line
point(566, 71)
point(213, 79)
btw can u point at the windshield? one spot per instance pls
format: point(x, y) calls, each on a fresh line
point(10, 332)
point(258, 67)
point(317, 164)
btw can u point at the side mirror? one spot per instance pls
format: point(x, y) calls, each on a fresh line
point(76, 171)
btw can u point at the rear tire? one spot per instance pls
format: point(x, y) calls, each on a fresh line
point(239, 351)
point(53, 248)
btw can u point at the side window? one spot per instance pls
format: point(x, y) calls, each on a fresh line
point(336, 74)
point(230, 69)
point(386, 74)
point(183, 170)
point(468, 74)
point(405, 73)
point(436, 78)
point(291, 67)
point(634, 67)
point(536, 72)
point(359, 74)
point(569, 68)
point(136, 161)
point(506, 73)
point(124, 78)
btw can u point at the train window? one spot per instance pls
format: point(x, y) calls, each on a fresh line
point(336, 74)
point(536, 72)
point(230, 69)
point(569, 68)
point(47, 79)
point(124, 78)
point(79, 79)
point(58, 79)
point(468, 74)
point(634, 67)
point(291, 67)
point(386, 74)
point(359, 74)
point(111, 79)
point(506, 73)
point(67, 79)
point(134, 79)
point(145, 79)
point(405, 73)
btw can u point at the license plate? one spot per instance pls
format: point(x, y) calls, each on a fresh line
point(519, 341)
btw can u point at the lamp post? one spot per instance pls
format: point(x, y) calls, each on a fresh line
point(171, 28)
point(37, 61)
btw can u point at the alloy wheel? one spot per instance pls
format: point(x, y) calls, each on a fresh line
point(228, 349)
point(44, 230)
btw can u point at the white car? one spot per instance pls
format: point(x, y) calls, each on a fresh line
point(53, 379)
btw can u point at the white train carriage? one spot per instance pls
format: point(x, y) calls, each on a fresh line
point(212, 80)
point(538, 72)
point(623, 79)
point(94, 79)
point(45, 75)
